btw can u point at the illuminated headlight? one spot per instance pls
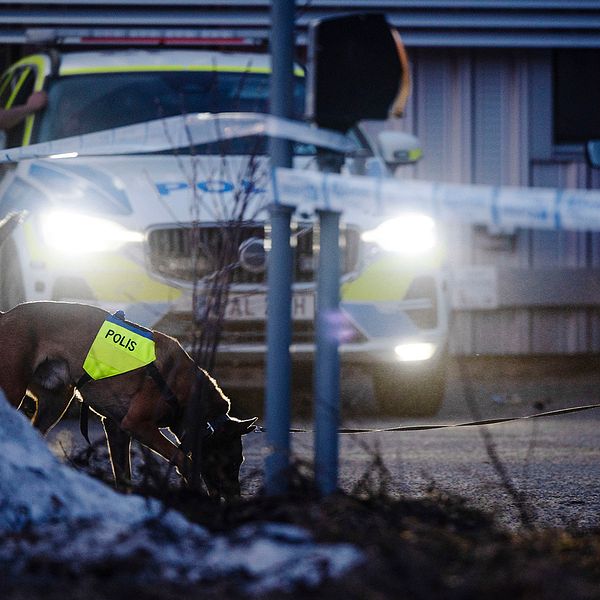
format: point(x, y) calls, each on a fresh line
point(73, 233)
point(415, 351)
point(410, 234)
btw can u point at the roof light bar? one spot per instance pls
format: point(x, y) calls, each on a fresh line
point(154, 37)
point(166, 41)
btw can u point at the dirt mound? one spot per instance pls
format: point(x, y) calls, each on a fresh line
point(417, 548)
point(433, 547)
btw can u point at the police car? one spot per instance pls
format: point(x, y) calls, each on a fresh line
point(158, 235)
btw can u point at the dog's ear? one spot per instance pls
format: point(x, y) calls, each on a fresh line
point(242, 426)
point(249, 424)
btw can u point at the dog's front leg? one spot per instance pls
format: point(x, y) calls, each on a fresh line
point(119, 448)
point(51, 405)
point(53, 390)
point(147, 433)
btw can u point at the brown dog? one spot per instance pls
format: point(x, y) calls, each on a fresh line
point(43, 346)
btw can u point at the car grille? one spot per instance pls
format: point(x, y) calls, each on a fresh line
point(181, 326)
point(171, 251)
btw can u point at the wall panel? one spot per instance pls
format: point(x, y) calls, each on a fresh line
point(484, 116)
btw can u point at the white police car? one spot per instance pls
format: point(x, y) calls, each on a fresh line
point(160, 235)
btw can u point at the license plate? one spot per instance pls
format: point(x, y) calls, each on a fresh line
point(253, 307)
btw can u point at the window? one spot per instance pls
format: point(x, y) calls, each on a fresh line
point(576, 96)
point(81, 104)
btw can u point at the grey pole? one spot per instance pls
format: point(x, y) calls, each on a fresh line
point(277, 410)
point(279, 276)
point(327, 364)
point(282, 77)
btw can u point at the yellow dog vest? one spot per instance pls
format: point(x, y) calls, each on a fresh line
point(119, 347)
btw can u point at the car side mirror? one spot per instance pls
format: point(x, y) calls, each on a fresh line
point(399, 148)
point(592, 151)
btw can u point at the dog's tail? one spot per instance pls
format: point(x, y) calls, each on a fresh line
point(9, 223)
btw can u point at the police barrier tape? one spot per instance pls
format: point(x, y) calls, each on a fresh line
point(501, 207)
point(373, 198)
point(550, 413)
point(181, 131)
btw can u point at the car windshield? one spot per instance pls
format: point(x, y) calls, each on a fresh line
point(80, 104)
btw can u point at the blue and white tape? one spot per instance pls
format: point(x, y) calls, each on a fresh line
point(502, 207)
point(368, 198)
point(181, 131)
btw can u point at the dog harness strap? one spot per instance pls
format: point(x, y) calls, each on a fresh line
point(84, 409)
point(84, 413)
point(165, 390)
point(82, 380)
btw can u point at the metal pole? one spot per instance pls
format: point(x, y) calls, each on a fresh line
point(279, 276)
point(279, 298)
point(327, 364)
point(282, 77)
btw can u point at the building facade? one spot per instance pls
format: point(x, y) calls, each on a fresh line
point(494, 116)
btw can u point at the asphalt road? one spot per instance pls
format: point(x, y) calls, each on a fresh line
point(553, 462)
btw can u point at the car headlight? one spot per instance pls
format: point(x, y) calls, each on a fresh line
point(416, 351)
point(410, 234)
point(73, 233)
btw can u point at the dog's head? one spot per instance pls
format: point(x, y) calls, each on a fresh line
point(222, 457)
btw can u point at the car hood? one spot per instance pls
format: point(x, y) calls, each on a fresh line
point(141, 191)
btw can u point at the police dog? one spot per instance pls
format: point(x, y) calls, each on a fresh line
point(42, 349)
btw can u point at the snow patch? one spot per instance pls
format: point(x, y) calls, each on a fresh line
point(53, 515)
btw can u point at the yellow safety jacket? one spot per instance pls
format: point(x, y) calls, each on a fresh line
point(119, 347)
